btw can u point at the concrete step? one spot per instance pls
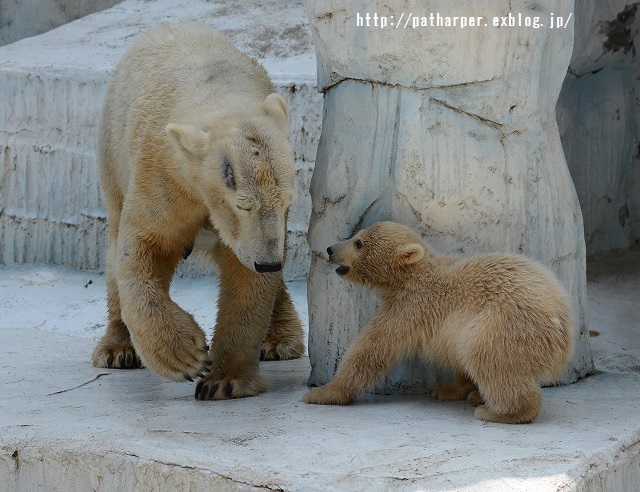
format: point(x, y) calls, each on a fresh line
point(24, 18)
point(53, 86)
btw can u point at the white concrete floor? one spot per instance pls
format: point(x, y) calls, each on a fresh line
point(65, 425)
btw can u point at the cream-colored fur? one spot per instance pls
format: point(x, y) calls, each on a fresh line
point(193, 139)
point(501, 321)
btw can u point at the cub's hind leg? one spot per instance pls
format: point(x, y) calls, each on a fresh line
point(500, 361)
point(517, 404)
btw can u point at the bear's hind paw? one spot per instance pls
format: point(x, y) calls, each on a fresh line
point(282, 351)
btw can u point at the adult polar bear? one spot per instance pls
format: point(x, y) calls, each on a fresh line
point(194, 141)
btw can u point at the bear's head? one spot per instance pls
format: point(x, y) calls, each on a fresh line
point(379, 256)
point(241, 166)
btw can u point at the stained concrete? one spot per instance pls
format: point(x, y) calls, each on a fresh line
point(65, 425)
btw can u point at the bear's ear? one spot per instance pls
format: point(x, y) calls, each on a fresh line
point(410, 253)
point(276, 107)
point(187, 139)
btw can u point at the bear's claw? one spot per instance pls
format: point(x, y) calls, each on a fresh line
point(229, 388)
point(116, 355)
point(201, 390)
point(125, 362)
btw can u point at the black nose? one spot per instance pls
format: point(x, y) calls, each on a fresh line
point(330, 250)
point(267, 267)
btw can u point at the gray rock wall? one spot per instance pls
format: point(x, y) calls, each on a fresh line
point(599, 120)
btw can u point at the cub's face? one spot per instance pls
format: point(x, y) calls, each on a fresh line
point(377, 256)
point(243, 171)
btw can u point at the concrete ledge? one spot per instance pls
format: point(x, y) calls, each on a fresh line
point(54, 86)
point(67, 426)
point(23, 18)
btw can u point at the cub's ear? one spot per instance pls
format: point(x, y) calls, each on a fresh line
point(187, 139)
point(410, 253)
point(276, 107)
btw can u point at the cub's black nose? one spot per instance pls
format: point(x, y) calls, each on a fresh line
point(267, 267)
point(329, 250)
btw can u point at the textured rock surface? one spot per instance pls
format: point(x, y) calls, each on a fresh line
point(599, 120)
point(53, 86)
point(452, 132)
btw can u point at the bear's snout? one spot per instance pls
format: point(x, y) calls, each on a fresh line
point(332, 254)
point(333, 258)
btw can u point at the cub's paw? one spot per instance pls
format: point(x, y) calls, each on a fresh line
point(460, 389)
point(327, 395)
point(220, 387)
point(475, 398)
point(115, 355)
point(291, 349)
point(449, 392)
point(483, 412)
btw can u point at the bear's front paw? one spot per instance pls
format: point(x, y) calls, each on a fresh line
point(181, 362)
point(221, 387)
point(175, 349)
point(115, 355)
point(327, 395)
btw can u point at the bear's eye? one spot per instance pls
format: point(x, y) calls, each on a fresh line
point(228, 174)
point(358, 244)
point(244, 206)
point(244, 203)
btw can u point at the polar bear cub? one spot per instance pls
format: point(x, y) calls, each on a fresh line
point(501, 321)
